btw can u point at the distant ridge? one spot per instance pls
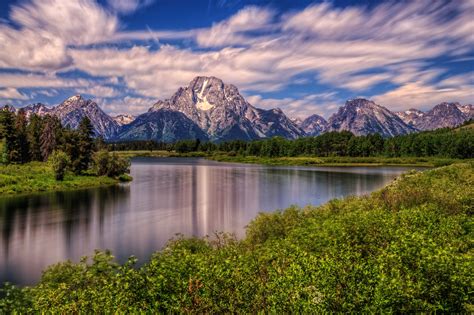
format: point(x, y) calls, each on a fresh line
point(209, 109)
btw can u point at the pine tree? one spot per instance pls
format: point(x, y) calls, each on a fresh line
point(86, 145)
point(22, 137)
point(34, 130)
point(49, 138)
point(7, 131)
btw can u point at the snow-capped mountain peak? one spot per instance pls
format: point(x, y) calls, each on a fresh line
point(223, 113)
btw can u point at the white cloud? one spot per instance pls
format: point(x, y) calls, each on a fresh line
point(45, 28)
point(320, 103)
point(12, 93)
point(78, 22)
point(424, 95)
point(128, 6)
point(41, 81)
point(127, 105)
point(99, 91)
point(232, 31)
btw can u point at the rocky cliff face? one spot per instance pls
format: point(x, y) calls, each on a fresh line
point(362, 117)
point(223, 113)
point(123, 119)
point(314, 125)
point(410, 116)
point(75, 108)
point(444, 115)
point(38, 109)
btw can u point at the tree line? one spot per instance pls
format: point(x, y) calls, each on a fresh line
point(450, 143)
point(25, 139)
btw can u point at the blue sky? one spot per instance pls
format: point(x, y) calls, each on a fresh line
point(302, 56)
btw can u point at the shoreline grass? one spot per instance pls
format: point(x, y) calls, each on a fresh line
point(38, 177)
point(339, 161)
point(302, 160)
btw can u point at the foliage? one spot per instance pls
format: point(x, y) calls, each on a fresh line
point(59, 161)
point(110, 164)
point(50, 136)
point(406, 248)
point(441, 143)
point(85, 135)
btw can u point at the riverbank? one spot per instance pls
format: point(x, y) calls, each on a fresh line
point(338, 161)
point(405, 248)
point(37, 177)
point(302, 160)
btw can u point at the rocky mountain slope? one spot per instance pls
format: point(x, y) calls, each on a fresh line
point(75, 108)
point(410, 116)
point(444, 115)
point(161, 125)
point(123, 119)
point(38, 109)
point(314, 125)
point(223, 113)
point(362, 117)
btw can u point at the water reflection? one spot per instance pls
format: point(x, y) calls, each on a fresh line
point(167, 196)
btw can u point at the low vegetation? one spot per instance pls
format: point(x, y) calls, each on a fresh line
point(406, 248)
point(336, 161)
point(39, 177)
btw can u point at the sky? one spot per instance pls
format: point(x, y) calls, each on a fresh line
point(305, 57)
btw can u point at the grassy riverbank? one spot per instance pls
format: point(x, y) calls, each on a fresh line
point(338, 161)
point(301, 160)
point(406, 248)
point(39, 177)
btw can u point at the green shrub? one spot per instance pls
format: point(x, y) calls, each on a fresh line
point(59, 161)
point(109, 164)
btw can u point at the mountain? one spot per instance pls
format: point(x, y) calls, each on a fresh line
point(38, 109)
point(314, 125)
point(444, 115)
point(362, 117)
point(9, 108)
point(123, 119)
point(411, 116)
point(75, 108)
point(161, 125)
point(223, 113)
point(467, 110)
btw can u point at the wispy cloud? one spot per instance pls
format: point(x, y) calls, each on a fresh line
point(128, 6)
point(11, 94)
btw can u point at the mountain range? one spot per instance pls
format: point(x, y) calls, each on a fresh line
point(209, 109)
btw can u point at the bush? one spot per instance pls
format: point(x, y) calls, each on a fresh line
point(60, 161)
point(111, 165)
point(101, 161)
point(118, 166)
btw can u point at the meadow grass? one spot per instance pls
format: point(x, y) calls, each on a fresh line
point(39, 177)
point(337, 161)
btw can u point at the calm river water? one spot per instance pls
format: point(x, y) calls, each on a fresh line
point(167, 196)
